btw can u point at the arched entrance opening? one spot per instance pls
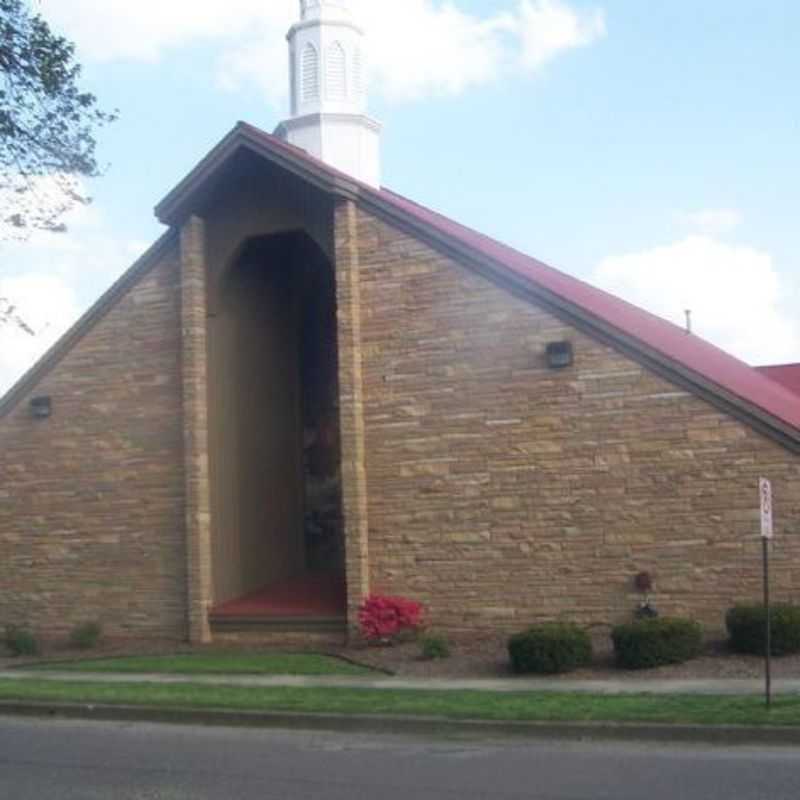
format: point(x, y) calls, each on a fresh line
point(277, 528)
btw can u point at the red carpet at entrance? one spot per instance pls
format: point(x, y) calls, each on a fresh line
point(311, 595)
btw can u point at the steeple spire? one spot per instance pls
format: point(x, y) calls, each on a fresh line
point(328, 91)
point(314, 9)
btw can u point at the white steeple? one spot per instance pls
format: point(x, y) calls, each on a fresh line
point(328, 91)
point(314, 9)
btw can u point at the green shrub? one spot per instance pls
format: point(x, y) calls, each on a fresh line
point(650, 643)
point(85, 636)
point(20, 641)
point(747, 629)
point(550, 648)
point(434, 646)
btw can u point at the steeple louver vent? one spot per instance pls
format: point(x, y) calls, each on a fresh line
point(310, 73)
point(336, 72)
point(358, 72)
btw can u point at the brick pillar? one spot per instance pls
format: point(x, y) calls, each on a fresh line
point(351, 408)
point(195, 427)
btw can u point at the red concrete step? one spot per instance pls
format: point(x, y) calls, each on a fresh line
point(312, 596)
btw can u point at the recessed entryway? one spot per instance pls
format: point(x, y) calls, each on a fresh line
point(277, 531)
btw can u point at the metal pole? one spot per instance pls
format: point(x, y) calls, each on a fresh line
point(768, 637)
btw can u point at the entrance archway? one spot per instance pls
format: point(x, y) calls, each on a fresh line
point(277, 532)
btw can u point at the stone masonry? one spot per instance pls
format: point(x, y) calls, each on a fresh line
point(91, 499)
point(354, 484)
point(501, 492)
point(477, 480)
point(194, 376)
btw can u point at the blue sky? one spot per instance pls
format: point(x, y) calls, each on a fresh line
point(648, 147)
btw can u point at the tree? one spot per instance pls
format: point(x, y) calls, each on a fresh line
point(47, 124)
point(10, 316)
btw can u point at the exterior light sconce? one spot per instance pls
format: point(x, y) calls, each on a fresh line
point(559, 355)
point(41, 407)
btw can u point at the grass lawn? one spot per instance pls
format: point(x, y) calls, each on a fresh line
point(218, 663)
point(530, 706)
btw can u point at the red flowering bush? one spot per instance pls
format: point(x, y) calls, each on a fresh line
point(382, 618)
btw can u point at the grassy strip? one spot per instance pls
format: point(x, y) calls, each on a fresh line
point(531, 706)
point(219, 663)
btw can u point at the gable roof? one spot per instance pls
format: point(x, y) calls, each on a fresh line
point(688, 351)
point(687, 359)
point(787, 375)
point(149, 259)
point(684, 359)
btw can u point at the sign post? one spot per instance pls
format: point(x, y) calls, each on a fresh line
point(765, 492)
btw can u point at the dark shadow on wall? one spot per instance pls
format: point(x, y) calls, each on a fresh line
point(273, 418)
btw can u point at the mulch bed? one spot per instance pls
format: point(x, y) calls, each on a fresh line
point(487, 658)
point(472, 657)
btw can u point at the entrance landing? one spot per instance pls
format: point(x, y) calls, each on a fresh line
point(309, 596)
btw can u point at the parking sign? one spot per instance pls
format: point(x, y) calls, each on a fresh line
point(765, 491)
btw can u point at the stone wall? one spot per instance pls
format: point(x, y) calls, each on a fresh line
point(91, 499)
point(475, 479)
point(501, 492)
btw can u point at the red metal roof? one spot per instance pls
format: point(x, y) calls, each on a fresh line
point(689, 352)
point(787, 375)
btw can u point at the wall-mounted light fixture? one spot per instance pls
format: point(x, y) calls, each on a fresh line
point(41, 407)
point(559, 355)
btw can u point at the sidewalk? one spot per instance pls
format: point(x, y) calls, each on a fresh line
point(422, 721)
point(747, 686)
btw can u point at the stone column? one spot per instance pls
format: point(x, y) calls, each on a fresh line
point(351, 408)
point(195, 427)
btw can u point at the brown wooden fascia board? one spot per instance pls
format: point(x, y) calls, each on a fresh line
point(301, 165)
point(168, 210)
point(172, 209)
point(50, 359)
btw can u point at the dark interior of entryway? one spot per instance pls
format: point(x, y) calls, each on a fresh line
point(274, 433)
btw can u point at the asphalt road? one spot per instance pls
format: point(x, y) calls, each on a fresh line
point(40, 760)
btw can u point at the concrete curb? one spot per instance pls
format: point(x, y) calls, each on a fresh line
point(415, 725)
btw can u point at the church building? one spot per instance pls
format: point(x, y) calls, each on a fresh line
point(311, 389)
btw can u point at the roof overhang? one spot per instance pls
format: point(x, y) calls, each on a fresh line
point(184, 198)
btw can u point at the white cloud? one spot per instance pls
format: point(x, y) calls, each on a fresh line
point(49, 306)
point(735, 293)
point(418, 47)
point(550, 27)
point(141, 30)
point(712, 220)
point(51, 278)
